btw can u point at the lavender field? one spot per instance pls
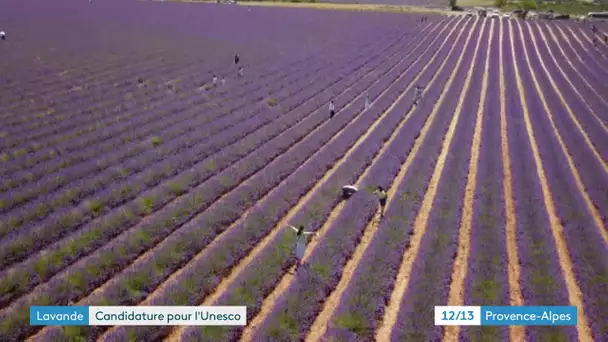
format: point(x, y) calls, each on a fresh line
point(127, 177)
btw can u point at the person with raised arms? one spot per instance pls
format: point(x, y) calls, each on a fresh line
point(301, 240)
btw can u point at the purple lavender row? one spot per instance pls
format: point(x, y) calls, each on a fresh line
point(583, 238)
point(184, 206)
point(591, 52)
point(46, 169)
point(542, 281)
point(589, 168)
point(264, 217)
point(486, 282)
point(590, 97)
point(363, 302)
point(51, 182)
point(163, 170)
point(22, 115)
point(303, 299)
point(66, 96)
point(583, 113)
point(271, 210)
point(431, 273)
point(259, 279)
point(20, 248)
point(587, 68)
point(174, 107)
point(131, 244)
point(595, 132)
point(59, 82)
point(151, 97)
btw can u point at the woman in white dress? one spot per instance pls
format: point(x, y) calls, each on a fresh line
point(301, 239)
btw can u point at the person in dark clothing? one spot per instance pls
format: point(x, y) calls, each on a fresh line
point(332, 109)
point(382, 196)
point(236, 59)
point(594, 41)
point(606, 38)
point(2, 35)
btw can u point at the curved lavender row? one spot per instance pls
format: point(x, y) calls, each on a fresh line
point(252, 286)
point(487, 282)
point(23, 123)
point(66, 96)
point(155, 98)
point(584, 68)
point(46, 169)
point(206, 167)
point(47, 87)
point(51, 182)
point(131, 244)
point(590, 97)
point(20, 249)
point(126, 133)
point(595, 53)
point(431, 273)
point(542, 282)
point(363, 301)
point(589, 168)
point(585, 243)
point(304, 298)
point(193, 177)
point(186, 203)
point(265, 215)
point(596, 133)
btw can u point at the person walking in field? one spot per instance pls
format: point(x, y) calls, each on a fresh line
point(367, 101)
point(332, 109)
point(418, 95)
point(241, 73)
point(382, 196)
point(223, 81)
point(301, 240)
point(2, 35)
point(214, 80)
point(236, 59)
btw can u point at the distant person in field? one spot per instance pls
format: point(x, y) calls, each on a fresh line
point(301, 240)
point(382, 196)
point(241, 72)
point(348, 191)
point(418, 96)
point(214, 80)
point(606, 38)
point(367, 101)
point(236, 59)
point(332, 109)
point(594, 41)
point(2, 35)
point(223, 81)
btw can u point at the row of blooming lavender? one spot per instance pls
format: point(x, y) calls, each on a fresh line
point(77, 182)
point(266, 268)
point(586, 247)
point(303, 301)
point(220, 183)
point(195, 151)
point(231, 203)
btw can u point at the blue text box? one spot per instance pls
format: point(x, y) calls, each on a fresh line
point(529, 315)
point(59, 315)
